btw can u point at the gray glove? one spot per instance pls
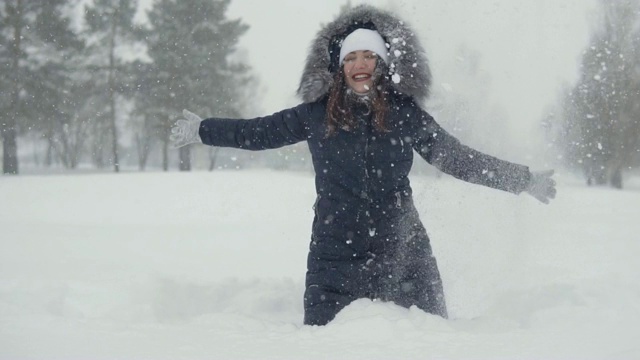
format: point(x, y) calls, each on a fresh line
point(186, 131)
point(542, 186)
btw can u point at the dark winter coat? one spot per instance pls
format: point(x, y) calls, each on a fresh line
point(366, 231)
point(367, 238)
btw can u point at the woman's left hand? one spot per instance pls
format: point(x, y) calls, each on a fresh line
point(542, 186)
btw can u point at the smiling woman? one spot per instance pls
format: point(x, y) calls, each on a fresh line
point(359, 54)
point(362, 83)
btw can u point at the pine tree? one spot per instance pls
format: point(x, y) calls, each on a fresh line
point(110, 26)
point(33, 38)
point(191, 45)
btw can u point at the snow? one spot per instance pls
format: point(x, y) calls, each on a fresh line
point(211, 265)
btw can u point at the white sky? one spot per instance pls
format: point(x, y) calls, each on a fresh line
point(527, 47)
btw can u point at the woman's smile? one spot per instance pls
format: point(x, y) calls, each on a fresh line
point(361, 77)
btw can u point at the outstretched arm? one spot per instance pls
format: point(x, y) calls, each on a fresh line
point(445, 152)
point(269, 132)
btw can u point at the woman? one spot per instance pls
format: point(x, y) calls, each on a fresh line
point(364, 78)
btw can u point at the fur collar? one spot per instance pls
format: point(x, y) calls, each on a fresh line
point(409, 69)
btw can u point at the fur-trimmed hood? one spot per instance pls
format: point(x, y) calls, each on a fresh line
point(408, 66)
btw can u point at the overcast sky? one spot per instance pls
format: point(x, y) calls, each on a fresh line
point(527, 47)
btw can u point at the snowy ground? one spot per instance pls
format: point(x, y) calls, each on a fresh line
point(211, 265)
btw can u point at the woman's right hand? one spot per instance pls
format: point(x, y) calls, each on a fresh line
point(186, 131)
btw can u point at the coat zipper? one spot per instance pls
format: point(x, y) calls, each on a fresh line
point(367, 133)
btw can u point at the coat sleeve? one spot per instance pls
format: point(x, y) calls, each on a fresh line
point(269, 132)
point(445, 152)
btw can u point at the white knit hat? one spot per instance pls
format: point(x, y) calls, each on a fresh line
point(364, 39)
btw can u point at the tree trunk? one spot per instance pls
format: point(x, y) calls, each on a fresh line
point(165, 155)
point(616, 178)
point(185, 158)
point(8, 127)
point(79, 136)
point(112, 95)
point(9, 146)
point(143, 145)
point(213, 156)
point(48, 158)
point(97, 153)
point(36, 153)
point(141, 153)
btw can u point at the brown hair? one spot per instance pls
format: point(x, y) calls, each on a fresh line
point(339, 114)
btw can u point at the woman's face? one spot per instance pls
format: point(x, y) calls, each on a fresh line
point(358, 70)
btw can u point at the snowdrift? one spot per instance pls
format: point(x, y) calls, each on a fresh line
point(211, 265)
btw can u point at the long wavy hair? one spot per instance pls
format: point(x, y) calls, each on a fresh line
point(339, 110)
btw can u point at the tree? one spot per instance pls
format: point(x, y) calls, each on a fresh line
point(58, 111)
point(191, 45)
point(33, 36)
point(110, 27)
point(601, 113)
